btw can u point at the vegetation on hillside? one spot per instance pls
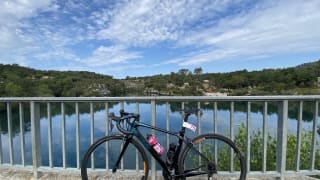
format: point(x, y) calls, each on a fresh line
point(21, 81)
point(302, 79)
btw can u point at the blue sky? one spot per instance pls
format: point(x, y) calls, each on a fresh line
point(148, 37)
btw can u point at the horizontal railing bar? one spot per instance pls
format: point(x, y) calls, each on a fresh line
point(162, 98)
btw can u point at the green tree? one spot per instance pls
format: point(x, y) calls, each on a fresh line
point(257, 147)
point(43, 90)
point(12, 89)
point(197, 71)
point(184, 72)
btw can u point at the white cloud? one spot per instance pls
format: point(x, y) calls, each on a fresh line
point(21, 60)
point(214, 30)
point(13, 10)
point(57, 53)
point(14, 43)
point(110, 55)
point(38, 31)
point(146, 22)
point(278, 28)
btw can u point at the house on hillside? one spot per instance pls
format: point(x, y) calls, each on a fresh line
point(46, 77)
point(134, 83)
point(171, 85)
point(205, 84)
point(215, 94)
point(185, 85)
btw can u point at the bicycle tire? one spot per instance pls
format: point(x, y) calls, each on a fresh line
point(213, 147)
point(114, 141)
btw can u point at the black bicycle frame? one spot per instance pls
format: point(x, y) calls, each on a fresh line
point(180, 135)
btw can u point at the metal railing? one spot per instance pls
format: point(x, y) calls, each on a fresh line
point(282, 127)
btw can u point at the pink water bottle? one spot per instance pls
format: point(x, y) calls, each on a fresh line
point(152, 140)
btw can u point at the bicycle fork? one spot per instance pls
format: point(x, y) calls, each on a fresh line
point(124, 148)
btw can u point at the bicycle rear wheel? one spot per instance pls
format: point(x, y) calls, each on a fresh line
point(104, 154)
point(220, 159)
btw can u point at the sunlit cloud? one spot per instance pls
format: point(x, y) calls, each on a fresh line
point(278, 28)
point(158, 34)
point(110, 55)
point(145, 22)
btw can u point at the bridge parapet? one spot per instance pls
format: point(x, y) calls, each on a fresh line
point(25, 110)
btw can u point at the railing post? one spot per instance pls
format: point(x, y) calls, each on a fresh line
point(9, 118)
point(265, 137)
point(153, 123)
point(248, 148)
point(137, 154)
point(167, 123)
point(231, 134)
point(77, 134)
point(63, 141)
point(92, 133)
point(282, 137)
point(215, 130)
point(314, 135)
point(122, 163)
point(22, 141)
point(298, 147)
point(49, 134)
point(35, 137)
point(0, 149)
point(107, 133)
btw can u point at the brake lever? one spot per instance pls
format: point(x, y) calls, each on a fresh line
point(111, 126)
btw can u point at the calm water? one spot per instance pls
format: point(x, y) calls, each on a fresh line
point(206, 125)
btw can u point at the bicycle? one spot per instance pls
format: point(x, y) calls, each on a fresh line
point(187, 158)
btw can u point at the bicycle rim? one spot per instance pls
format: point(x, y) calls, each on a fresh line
point(100, 159)
point(222, 158)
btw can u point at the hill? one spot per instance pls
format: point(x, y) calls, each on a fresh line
point(302, 79)
point(22, 81)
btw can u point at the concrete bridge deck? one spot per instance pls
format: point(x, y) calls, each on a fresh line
point(15, 174)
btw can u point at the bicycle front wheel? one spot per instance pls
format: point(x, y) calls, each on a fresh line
point(101, 159)
point(212, 156)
